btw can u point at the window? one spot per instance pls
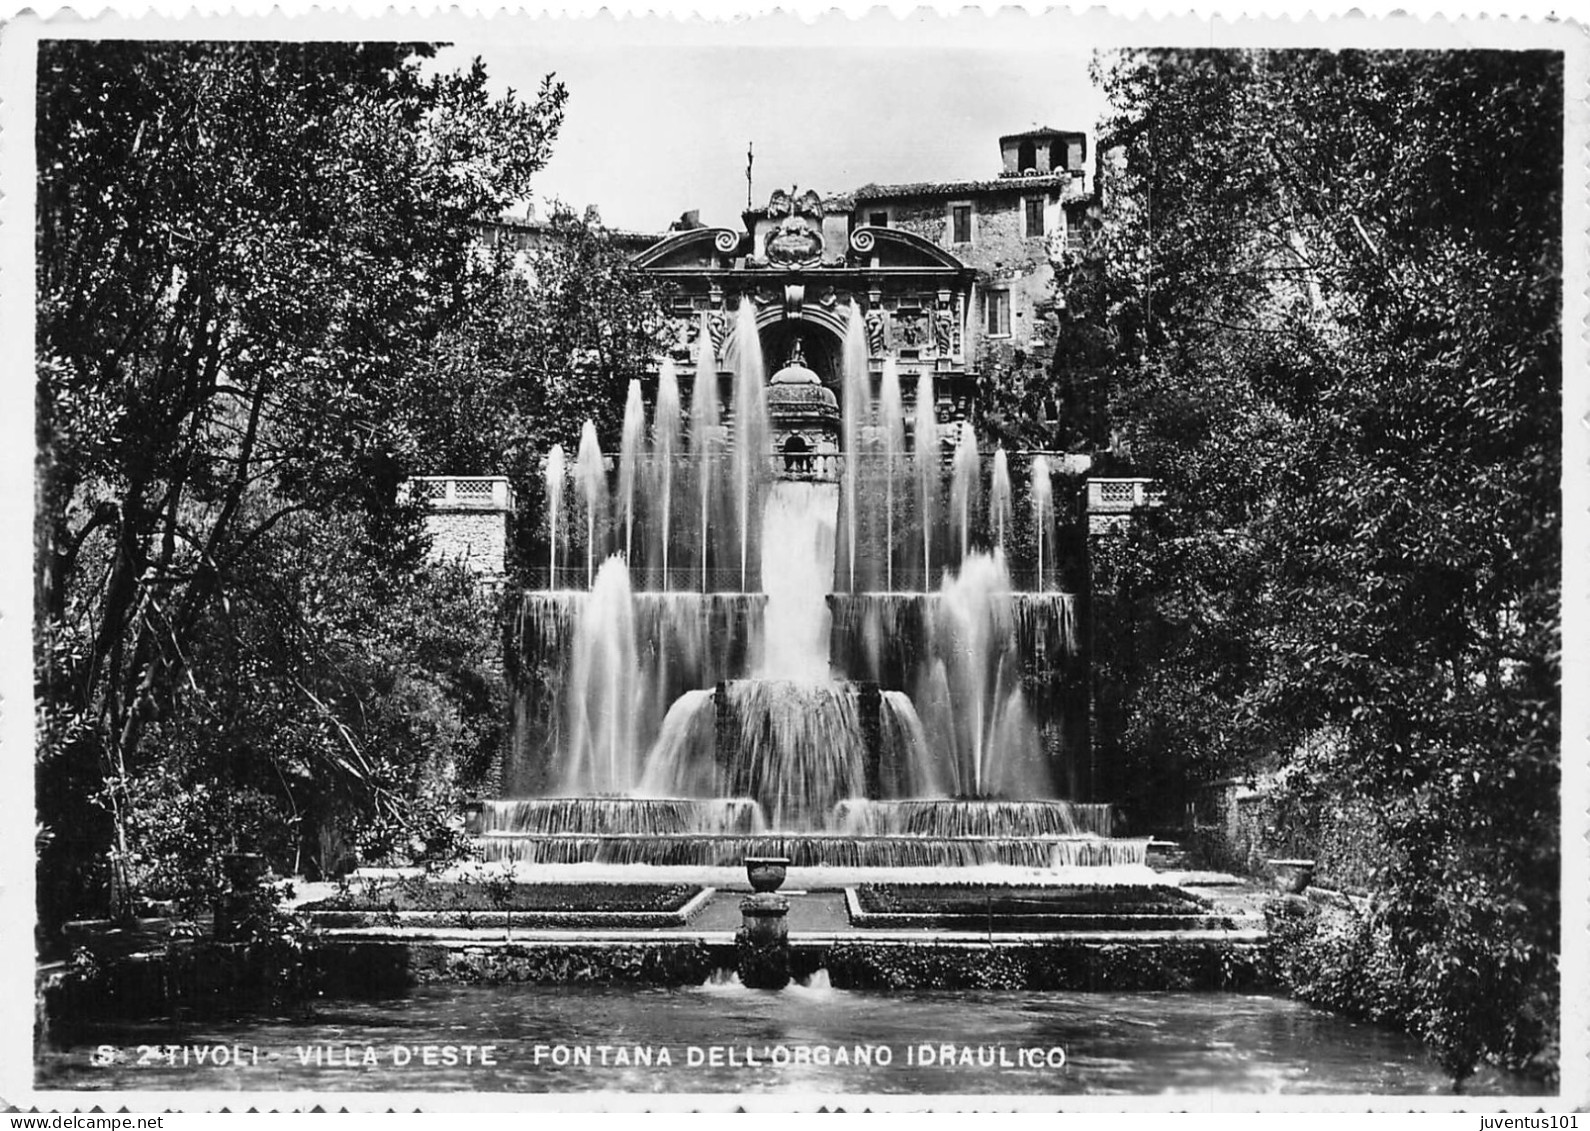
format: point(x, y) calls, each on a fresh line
point(996, 304)
point(1057, 156)
point(1035, 215)
point(878, 219)
point(1026, 157)
point(961, 222)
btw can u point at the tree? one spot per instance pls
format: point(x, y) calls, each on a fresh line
point(554, 338)
point(244, 253)
point(1335, 291)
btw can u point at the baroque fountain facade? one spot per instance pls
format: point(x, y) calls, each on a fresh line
point(806, 614)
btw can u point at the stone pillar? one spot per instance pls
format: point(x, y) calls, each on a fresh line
point(725, 729)
point(761, 945)
point(870, 708)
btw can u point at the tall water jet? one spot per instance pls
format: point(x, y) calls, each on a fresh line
point(603, 683)
point(999, 504)
point(665, 448)
point(963, 486)
point(971, 700)
point(630, 440)
point(856, 397)
point(590, 474)
point(926, 454)
point(556, 482)
point(705, 420)
point(751, 432)
point(891, 428)
point(1041, 489)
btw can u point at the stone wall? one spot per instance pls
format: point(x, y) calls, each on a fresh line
point(1244, 826)
point(1006, 258)
point(477, 540)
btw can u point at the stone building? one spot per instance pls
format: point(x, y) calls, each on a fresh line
point(955, 279)
point(1010, 229)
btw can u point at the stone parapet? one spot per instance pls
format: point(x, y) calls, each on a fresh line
point(1108, 503)
point(467, 520)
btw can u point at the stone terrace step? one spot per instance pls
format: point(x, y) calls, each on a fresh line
point(807, 849)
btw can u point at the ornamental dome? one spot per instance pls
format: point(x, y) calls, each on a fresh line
point(796, 391)
point(795, 374)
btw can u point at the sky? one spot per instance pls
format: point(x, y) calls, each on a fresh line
point(655, 126)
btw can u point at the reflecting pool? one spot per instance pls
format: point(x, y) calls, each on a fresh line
point(721, 1037)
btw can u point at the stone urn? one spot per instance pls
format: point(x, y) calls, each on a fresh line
point(766, 873)
point(1292, 876)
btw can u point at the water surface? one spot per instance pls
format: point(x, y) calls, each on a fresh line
point(722, 1037)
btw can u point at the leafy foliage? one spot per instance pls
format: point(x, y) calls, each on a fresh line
point(245, 251)
point(553, 338)
point(1333, 280)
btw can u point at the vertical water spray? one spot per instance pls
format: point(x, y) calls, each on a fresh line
point(891, 424)
point(971, 699)
point(856, 396)
point(963, 486)
point(630, 441)
point(704, 425)
point(751, 440)
point(664, 448)
point(591, 480)
point(603, 683)
point(926, 453)
point(556, 481)
point(1042, 510)
point(999, 504)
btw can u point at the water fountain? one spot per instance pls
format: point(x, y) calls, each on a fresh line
point(813, 693)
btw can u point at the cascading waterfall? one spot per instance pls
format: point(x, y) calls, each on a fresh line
point(682, 762)
point(799, 747)
point(971, 818)
point(819, 699)
point(799, 520)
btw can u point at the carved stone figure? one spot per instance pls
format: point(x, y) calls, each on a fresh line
point(944, 332)
point(877, 332)
point(910, 324)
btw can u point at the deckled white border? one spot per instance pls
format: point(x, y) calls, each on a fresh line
point(806, 22)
